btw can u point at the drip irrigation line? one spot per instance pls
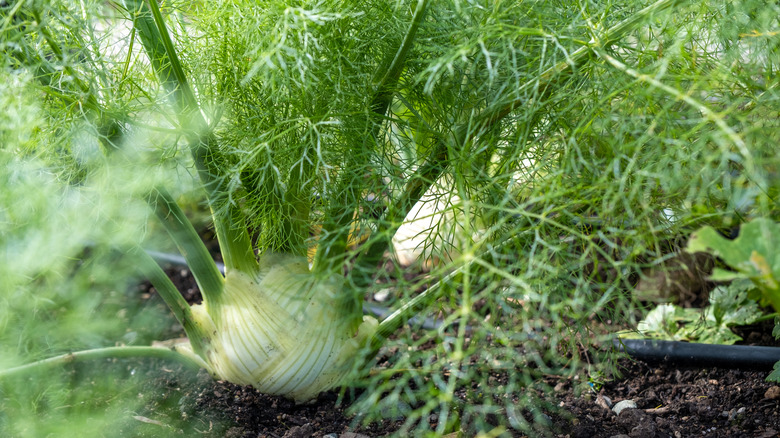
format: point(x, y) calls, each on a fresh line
point(381, 312)
point(700, 355)
point(176, 259)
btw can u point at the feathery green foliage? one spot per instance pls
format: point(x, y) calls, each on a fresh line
point(566, 146)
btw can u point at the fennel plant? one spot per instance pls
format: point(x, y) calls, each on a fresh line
point(565, 146)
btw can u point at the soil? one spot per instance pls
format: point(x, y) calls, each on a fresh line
point(669, 402)
point(678, 402)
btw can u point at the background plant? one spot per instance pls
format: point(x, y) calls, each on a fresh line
point(729, 306)
point(570, 143)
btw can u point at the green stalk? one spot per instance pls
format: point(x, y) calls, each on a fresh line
point(190, 245)
point(409, 309)
point(386, 79)
point(229, 221)
point(296, 208)
point(179, 307)
point(423, 300)
point(102, 353)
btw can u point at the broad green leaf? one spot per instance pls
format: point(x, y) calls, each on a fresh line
point(729, 306)
point(664, 321)
point(753, 254)
point(774, 376)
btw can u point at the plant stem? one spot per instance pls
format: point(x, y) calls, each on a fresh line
point(102, 353)
point(179, 307)
point(424, 299)
point(386, 78)
point(411, 308)
point(296, 208)
point(229, 221)
point(190, 245)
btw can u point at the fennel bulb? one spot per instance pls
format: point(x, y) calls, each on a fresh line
point(435, 230)
point(278, 330)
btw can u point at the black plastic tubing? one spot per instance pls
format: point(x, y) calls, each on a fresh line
point(701, 355)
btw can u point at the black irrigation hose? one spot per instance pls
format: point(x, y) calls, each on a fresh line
point(700, 355)
point(175, 259)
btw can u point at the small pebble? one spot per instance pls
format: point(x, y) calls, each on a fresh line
point(353, 435)
point(604, 402)
point(382, 295)
point(733, 414)
point(397, 412)
point(621, 405)
point(773, 393)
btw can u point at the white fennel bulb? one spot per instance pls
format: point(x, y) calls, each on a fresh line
point(279, 330)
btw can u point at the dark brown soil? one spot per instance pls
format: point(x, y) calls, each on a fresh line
point(674, 402)
point(670, 402)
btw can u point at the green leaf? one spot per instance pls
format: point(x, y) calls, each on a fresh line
point(774, 376)
point(776, 329)
point(753, 254)
point(664, 321)
point(729, 306)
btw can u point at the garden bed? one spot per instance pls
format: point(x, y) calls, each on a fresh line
point(671, 401)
